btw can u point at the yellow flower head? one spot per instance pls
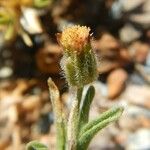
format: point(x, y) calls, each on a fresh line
point(79, 61)
point(74, 38)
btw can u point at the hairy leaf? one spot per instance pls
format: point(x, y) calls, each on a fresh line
point(92, 128)
point(35, 145)
point(84, 114)
point(59, 115)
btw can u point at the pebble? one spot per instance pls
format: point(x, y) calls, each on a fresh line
point(116, 82)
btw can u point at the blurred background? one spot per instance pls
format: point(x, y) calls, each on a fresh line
point(29, 54)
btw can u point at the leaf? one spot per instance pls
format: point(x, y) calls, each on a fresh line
point(9, 32)
point(35, 145)
point(84, 114)
point(59, 115)
point(41, 3)
point(92, 128)
point(4, 18)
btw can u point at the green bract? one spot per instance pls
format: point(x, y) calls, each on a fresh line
point(79, 61)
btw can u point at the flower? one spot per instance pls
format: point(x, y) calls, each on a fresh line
point(74, 38)
point(79, 61)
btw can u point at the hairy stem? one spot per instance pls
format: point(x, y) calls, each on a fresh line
point(73, 122)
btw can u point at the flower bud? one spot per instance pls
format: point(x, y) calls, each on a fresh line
point(79, 62)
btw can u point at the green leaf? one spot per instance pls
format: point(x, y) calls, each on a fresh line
point(84, 113)
point(41, 3)
point(92, 128)
point(9, 32)
point(35, 145)
point(4, 17)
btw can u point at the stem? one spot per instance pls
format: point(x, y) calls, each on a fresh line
point(73, 122)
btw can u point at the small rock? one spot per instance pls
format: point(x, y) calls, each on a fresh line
point(116, 82)
point(107, 43)
point(129, 33)
point(139, 51)
point(138, 95)
point(5, 72)
point(31, 103)
point(139, 140)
